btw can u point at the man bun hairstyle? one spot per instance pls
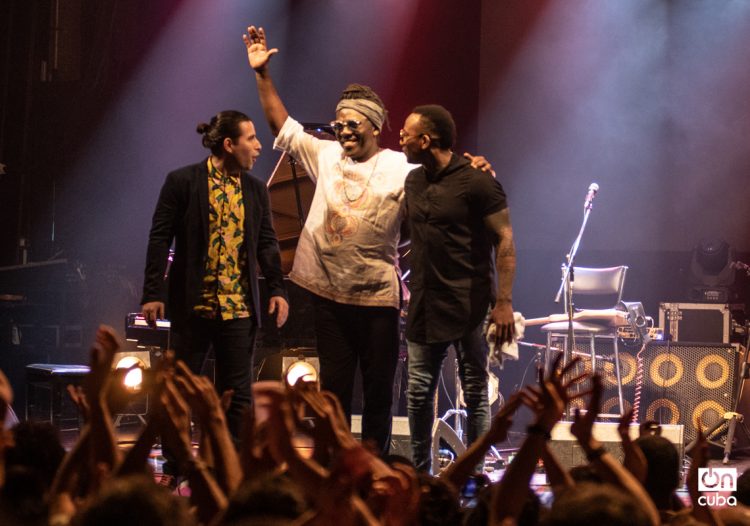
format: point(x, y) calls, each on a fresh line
point(224, 124)
point(438, 122)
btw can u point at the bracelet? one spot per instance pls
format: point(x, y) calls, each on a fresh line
point(595, 453)
point(537, 429)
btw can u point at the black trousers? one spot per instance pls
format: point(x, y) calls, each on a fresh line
point(349, 336)
point(233, 342)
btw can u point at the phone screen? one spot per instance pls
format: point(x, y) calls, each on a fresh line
point(470, 491)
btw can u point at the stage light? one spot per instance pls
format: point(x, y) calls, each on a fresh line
point(289, 365)
point(300, 362)
point(135, 358)
point(300, 369)
point(712, 274)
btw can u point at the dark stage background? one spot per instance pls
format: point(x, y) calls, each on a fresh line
point(100, 99)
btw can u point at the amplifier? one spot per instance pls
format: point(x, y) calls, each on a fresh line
point(684, 383)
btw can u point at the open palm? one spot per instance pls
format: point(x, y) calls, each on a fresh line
point(258, 53)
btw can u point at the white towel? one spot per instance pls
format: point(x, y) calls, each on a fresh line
point(508, 351)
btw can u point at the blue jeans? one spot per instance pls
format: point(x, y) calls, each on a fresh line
point(425, 362)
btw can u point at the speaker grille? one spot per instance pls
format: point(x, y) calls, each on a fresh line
point(605, 366)
point(685, 382)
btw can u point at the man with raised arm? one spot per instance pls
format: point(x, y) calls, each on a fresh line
point(347, 252)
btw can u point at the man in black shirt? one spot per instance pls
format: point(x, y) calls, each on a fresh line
point(456, 215)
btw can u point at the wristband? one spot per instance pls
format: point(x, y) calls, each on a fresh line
point(537, 429)
point(595, 453)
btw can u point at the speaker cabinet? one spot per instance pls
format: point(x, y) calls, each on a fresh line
point(605, 366)
point(685, 382)
point(569, 453)
point(400, 436)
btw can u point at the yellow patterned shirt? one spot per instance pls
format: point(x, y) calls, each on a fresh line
point(225, 284)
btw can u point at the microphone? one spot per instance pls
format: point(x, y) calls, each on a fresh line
point(593, 189)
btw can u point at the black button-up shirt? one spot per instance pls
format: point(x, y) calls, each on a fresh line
point(452, 267)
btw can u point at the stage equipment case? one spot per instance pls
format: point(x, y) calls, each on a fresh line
point(695, 322)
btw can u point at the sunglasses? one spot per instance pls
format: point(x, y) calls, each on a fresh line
point(340, 125)
point(403, 135)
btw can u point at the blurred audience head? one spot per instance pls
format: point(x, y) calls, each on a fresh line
point(734, 515)
point(589, 503)
point(136, 501)
point(273, 498)
point(479, 515)
point(36, 447)
point(585, 473)
point(663, 475)
point(743, 488)
point(439, 502)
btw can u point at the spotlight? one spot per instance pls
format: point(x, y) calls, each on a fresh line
point(133, 379)
point(132, 363)
point(712, 274)
point(301, 362)
point(300, 369)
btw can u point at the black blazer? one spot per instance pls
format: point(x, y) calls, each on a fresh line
point(182, 215)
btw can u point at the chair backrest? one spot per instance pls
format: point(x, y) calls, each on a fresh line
point(599, 282)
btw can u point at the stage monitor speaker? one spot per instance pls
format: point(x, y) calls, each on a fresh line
point(400, 436)
point(683, 382)
point(569, 453)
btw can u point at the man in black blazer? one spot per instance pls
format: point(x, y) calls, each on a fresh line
point(219, 218)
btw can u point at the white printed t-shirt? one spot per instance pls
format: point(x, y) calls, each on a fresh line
point(347, 248)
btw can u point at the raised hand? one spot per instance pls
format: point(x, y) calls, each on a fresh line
point(6, 396)
point(274, 410)
point(176, 421)
point(255, 456)
point(331, 428)
point(583, 425)
point(634, 459)
point(503, 420)
point(623, 426)
point(199, 392)
point(102, 354)
point(395, 498)
point(258, 54)
point(699, 456)
point(78, 397)
point(548, 400)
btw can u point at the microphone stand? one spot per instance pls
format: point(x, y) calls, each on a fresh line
point(566, 284)
point(297, 195)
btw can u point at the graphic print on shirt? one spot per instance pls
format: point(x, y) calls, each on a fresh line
point(225, 284)
point(352, 197)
